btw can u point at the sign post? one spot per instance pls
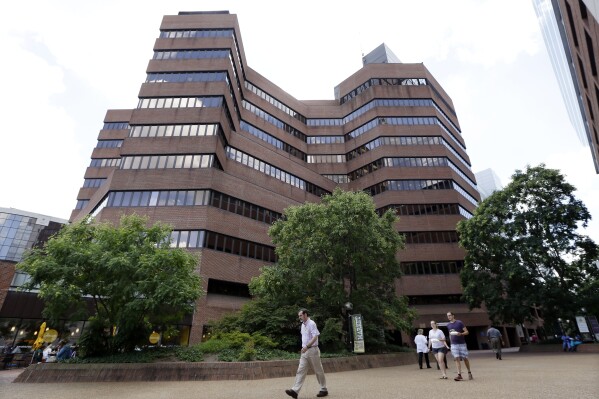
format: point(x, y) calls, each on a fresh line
point(358, 333)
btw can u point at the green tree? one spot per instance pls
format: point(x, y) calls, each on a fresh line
point(129, 272)
point(329, 253)
point(524, 250)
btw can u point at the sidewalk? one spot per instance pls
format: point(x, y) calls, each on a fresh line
point(518, 375)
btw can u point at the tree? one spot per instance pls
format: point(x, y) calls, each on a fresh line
point(329, 254)
point(129, 272)
point(523, 250)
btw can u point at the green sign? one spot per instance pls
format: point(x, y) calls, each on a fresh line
point(358, 333)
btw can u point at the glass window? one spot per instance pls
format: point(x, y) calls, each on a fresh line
point(162, 198)
point(154, 198)
point(136, 198)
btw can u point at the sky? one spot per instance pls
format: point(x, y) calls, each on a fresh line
point(65, 63)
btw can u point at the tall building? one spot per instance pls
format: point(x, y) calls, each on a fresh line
point(488, 182)
point(571, 34)
point(219, 151)
point(20, 311)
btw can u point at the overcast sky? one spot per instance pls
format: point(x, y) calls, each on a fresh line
point(66, 62)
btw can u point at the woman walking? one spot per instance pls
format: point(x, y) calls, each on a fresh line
point(436, 340)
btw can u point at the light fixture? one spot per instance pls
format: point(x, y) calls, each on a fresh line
point(76, 330)
point(35, 333)
point(12, 328)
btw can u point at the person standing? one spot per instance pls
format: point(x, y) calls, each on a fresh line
point(310, 356)
point(422, 348)
point(459, 350)
point(436, 340)
point(496, 341)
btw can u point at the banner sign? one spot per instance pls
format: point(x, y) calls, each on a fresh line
point(582, 324)
point(358, 333)
point(594, 326)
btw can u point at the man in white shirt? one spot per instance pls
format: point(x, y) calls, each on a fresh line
point(310, 355)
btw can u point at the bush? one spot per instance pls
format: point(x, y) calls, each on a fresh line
point(147, 355)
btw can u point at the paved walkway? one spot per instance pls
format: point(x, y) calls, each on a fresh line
point(518, 375)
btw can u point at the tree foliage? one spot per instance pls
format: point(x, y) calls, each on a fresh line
point(329, 253)
point(129, 272)
point(524, 250)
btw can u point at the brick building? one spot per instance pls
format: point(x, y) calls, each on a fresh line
point(218, 151)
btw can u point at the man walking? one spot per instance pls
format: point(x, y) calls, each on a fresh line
point(496, 341)
point(459, 350)
point(310, 355)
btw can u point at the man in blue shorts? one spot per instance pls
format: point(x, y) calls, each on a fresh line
point(459, 350)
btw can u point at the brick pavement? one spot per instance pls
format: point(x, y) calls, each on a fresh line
point(518, 375)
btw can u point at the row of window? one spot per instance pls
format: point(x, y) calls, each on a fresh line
point(402, 140)
point(339, 179)
point(115, 125)
point(432, 267)
point(267, 97)
point(109, 143)
point(326, 158)
point(428, 184)
point(222, 243)
point(426, 209)
point(379, 102)
point(396, 163)
point(183, 34)
point(273, 121)
point(408, 162)
point(434, 299)
point(192, 198)
point(401, 121)
point(91, 183)
point(325, 140)
point(431, 237)
point(382, 82)
point(409, 185)
point(254, 131)
point(272, 171)
point(81, 204)
point(188, 161)
point(180, 77)
point(191, 54)
point(227, 288)
point(177, 34)
point(180, 102)
point(105, 162)
point(174, 130)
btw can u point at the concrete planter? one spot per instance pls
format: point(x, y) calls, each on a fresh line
point(181, 371)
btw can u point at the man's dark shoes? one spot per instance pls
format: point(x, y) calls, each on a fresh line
point(291, 393)
point(322, 393)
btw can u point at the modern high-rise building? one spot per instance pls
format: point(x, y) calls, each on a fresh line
point(571, 32)
point(218, 151)
point(488, 182)
point(20, 312)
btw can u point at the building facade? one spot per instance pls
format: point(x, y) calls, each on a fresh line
point(20, 312)
point(488, 182)
point(571, 32)
point(218, 151)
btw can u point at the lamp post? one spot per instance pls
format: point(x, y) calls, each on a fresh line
point(561, 326)
point(348, 307)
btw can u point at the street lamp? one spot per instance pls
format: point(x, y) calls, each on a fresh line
point(347, 308)
point(561, 326)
